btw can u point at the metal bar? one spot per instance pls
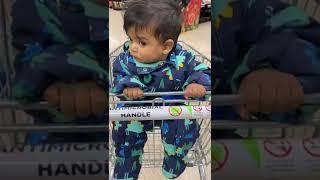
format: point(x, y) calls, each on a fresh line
point(177, 93)
point(218, 100)
point(160, 113)
point(13, 104)
point(193, 49)
point(224, 100)
point(156, 101)
point(233, 124)
point(54, 128)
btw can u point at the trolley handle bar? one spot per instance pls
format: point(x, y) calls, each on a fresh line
point(225, 100)
point(218, 100)
point(234, 124)
point(156, 101)
point(53, 128)
point(177, 93)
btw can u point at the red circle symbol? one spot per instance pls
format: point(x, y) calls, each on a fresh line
point(197, 108)
point(221, 156)
point(278, 148)
point(312, 147)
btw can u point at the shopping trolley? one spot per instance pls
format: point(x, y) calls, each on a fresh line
point(312, 8)
point(266, 146)
point(20, 160)
point(117, 4)
point(159, 109)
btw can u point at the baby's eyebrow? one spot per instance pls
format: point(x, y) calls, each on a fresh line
point(142, 38)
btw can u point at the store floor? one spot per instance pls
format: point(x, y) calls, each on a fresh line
point(198, 39)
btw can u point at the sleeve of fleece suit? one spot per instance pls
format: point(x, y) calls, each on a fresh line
point(282, 37)
point(196, 72)
point(123, 74)
point(54, 48)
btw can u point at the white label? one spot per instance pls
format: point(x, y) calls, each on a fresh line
point(160, 113)
point(269, 158)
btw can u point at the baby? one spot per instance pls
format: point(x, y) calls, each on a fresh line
point(153, 61)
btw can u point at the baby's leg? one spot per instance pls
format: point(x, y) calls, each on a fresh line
point(129, 138)
point(178, 137)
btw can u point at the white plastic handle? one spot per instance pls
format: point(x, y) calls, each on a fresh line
point(160, 113)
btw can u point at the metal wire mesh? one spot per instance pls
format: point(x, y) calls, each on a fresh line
point(10, 116)
point(267, 128)
point(153, 156)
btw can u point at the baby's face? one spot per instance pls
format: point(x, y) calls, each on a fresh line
point(144, 47)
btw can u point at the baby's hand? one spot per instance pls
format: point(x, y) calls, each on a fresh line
point(268, 91)
point(194, 90)
point(133, 93)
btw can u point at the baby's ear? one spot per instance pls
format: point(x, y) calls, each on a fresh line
point(168, 46)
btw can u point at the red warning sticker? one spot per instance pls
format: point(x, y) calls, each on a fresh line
point(312, 147)
point(278, 148)
point(197, 108)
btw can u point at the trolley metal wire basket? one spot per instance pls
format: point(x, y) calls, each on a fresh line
point(79, 160)
point(14, 123)
point(199, 155)
point(260, 128)
point(262, 142)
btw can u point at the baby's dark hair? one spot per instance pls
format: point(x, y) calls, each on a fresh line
point(164, 16)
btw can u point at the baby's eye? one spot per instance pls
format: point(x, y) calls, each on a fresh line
point(142, 43)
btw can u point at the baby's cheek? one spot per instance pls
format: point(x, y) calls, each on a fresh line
point(152, 54)
point(147, 54)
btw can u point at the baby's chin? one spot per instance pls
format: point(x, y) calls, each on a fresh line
point(146, 61)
